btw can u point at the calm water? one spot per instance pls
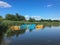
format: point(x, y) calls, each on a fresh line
point(43, 36)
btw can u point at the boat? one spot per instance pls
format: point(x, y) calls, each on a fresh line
point(15, 27)
point(23, 26)
point(31, 26)
point(39, 26)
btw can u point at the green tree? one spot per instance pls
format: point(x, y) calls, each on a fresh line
point(11, 17)
point(20, 17)
point(1, 18)
point(16, 17)
point(31, 20)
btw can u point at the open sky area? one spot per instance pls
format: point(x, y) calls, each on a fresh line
point(45, 9)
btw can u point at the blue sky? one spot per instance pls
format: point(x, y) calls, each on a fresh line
point(45, 9)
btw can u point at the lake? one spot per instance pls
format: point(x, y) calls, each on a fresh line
point(48, 35)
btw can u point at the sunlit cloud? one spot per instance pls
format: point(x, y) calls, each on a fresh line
point(4, 4)
point(34, 17)
point(49, 5)
point(27, 17)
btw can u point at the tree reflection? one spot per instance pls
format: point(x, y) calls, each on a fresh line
point(30, 30)
point(15, 32)
point(3, 30)
point(1, 38)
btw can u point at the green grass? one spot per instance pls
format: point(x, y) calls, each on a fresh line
point(9, 23)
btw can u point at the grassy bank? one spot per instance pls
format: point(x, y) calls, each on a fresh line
point(9, 23)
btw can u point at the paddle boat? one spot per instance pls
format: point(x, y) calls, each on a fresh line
point(39, 26)
point(15, 27)
point(31, 26)
point(23, 26)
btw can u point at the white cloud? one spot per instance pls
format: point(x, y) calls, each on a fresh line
point(4, 4)
point(34, 17)
point(27, 17)
point(50, 5)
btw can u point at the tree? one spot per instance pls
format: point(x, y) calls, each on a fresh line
point(1, 18)
point(31, 20)
point(16, 17)
point(20, 17)
point(11, 17)
point(45, 20)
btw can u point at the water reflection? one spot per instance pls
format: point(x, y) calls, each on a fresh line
point(3, 30)
point(40, 36)
point(17, 30)
point(1, 38)
point(14, 33)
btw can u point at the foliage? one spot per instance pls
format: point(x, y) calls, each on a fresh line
point(1, 18)
point(16, 17)
point(20, 17)
point(10, 17)
point(48, 20)
point(31, 20)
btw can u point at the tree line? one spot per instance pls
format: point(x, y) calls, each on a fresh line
point(18, 17)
